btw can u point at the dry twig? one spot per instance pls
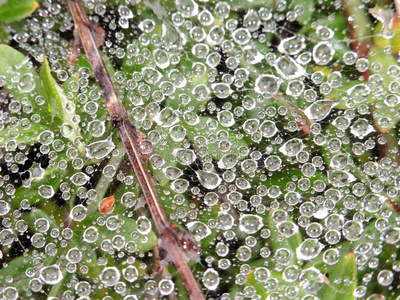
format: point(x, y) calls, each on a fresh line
point(176, 246)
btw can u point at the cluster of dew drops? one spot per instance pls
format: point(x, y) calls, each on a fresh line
point(206, 77)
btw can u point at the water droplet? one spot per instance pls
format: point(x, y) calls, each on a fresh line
point(292, 147)
point(226, 118)
point(211, 279)
point(225, 221)
point(199, 230)
point(4, 207)
point(78, 213)
point(323, 53)
point(221, 90)
point(177, 133)
point(151, 75)
point(100, 149)
point(128, 199)
point(319, 110)
point(250, 223)
point(352, 230)
point(288, 68)
point(391, 236)
point(309, 249)
point(110, 276)
point(267, 84)
point(80, 178)
point(184, 156)
point(143, 225)
point(273, 163)
point(46, 191)
point(228, 161)
point(261, 274)
point(209, 180)
point(166, 286)
point(96, 128)
point(311, 280)
point(26, 83)
point(166, 117)
point(180, 185)
point(361, 128)
point(6, 236)
point(130, 273)
point(241, 36)
point(74, 255)
point(287, 228)
point(50, 275)
point(90, 235)
point(385, 277)
point(292, 45)
point(10, 293)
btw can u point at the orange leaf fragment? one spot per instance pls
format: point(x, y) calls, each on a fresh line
point(106, 204)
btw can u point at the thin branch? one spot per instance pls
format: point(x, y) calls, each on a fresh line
point(357, 24)
point(175, 245)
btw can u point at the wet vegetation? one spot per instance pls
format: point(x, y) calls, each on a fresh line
point(270, 129)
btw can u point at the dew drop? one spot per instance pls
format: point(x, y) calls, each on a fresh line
point(110, 276)
point(211, 279)
point(143, 225)
point(50, 275)
point(199, 230)
point(250, 224)
point(209, 180)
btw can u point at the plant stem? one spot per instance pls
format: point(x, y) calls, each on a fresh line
point(171, 239)
point(357, 23)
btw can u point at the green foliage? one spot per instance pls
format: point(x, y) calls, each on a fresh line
point(286, 115)
point(14, 10)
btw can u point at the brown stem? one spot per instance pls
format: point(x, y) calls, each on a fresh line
point(360, 44)
point(171, 239)
point(305, 123)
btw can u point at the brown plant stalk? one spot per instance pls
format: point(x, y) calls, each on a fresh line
point(176, 246)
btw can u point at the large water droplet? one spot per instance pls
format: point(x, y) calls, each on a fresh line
point(292, 147)
point(319, 110)
point(199, 230)
point(100, 149)
point(250, 223)
point(309, 249)
point(323, 53)
point(211, 279)
point(209, 180)
point(110, 276)
point(267, 84)
point(51, 275)
point(80, 178)
point(143, 225)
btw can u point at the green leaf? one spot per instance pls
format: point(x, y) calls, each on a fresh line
point(126, 230)
point(53, 177)
point(16, 269)
point(59, 105)
point(308, 8)
point(279, 241)
point(28, 135)
point(31, 217)
point(15, 10)
point(21, 79)
point(385, 116)
point(342, 279)
point(282, 178)
point(143, 242)
point(202, 129)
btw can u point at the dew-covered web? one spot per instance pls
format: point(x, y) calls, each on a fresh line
point(275, 134)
